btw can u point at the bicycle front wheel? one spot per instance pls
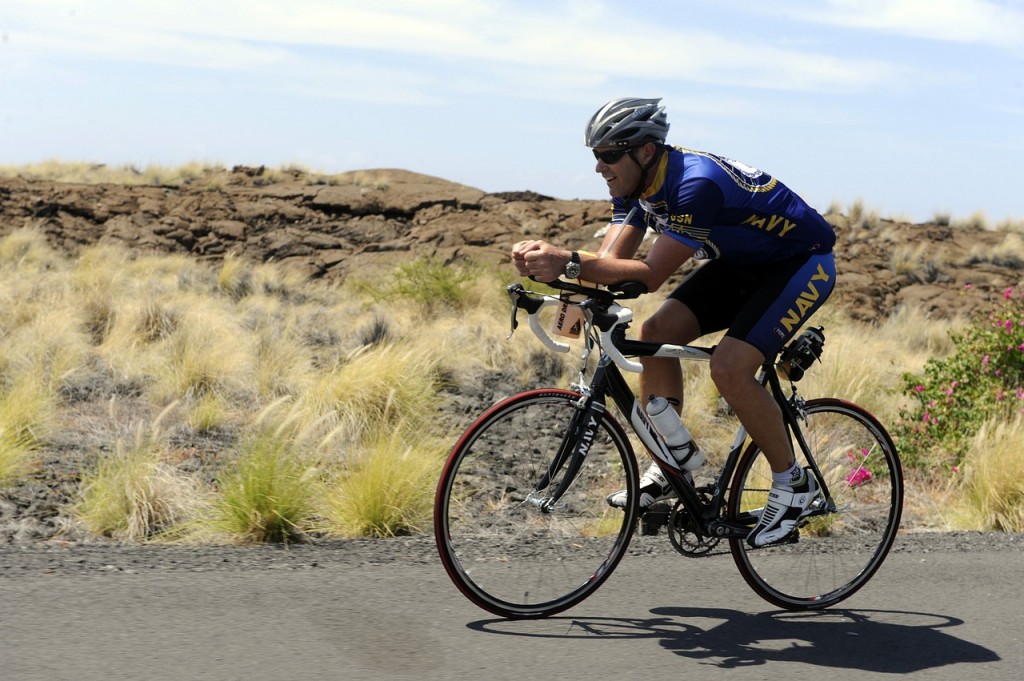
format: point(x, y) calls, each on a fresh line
point(502, 546)
point(837, 548)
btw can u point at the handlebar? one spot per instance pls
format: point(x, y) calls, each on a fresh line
point(600, 307)
point(622, 291)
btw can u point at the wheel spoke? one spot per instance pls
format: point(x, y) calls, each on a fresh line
point(505, 544)
point(836, 550)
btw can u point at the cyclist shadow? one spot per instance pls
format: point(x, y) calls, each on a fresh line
point(877, 641)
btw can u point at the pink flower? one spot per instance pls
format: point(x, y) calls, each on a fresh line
point(853, 457)
point(1007, 293)
point(968, 287)
point(920, 388)
point(858, 476)
point(984, 360)
point(955, 469)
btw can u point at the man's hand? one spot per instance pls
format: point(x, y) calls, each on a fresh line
point(540, 260)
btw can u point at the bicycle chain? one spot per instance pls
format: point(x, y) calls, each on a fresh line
point(682, 532)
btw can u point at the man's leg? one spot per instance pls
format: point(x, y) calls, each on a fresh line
point(662, 376)
point(733, 369)
point(735, 363)
point(792, 491)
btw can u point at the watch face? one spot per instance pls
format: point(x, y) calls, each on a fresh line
point(572, 268)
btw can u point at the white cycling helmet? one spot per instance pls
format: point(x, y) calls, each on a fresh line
point(627, 122)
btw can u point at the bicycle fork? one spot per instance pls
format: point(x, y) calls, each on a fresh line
point(572, 452)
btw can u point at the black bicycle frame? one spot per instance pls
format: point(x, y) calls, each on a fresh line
point(790, 416)
point(608, 381)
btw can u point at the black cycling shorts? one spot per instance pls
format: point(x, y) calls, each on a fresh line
point(764, 305)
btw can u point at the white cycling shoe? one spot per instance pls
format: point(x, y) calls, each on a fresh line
point(786, 505)
point(654, 487)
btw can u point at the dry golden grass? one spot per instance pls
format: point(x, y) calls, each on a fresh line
point(1008, 253)
point(921, 262)
point(196, 173)
point(988, 492)
point(1011, 225)
point(387, 488)
point(97, 173)
point(207, 352)
point(976, 221)
point(27, 409)
point(134, 493)
point(390, 383)
point(330, 399)
point(269, 493)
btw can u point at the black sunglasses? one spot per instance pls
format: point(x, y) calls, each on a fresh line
point(611, 156)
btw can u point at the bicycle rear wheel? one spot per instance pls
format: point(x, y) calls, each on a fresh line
point(504, 551)
point(837, 549)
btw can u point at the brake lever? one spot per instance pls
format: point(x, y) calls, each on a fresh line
point(513, 292)
point(515, 323)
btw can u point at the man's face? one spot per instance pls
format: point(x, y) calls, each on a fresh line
point(622, 174)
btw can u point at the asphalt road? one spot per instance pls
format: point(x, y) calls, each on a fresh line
point(942, 612)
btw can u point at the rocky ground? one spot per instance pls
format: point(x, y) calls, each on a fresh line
point(369, 221)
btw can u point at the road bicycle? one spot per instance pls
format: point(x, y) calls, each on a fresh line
point(520, 515)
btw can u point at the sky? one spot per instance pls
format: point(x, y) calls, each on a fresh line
point(913, 107)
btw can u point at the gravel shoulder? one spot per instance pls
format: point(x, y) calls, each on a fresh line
point(99, 558)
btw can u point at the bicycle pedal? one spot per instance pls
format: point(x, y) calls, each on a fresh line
point(791, 538)
point(654, 518)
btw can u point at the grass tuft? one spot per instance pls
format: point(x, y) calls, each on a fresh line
point(133, 494)
point(269, 496)
point(990, 491)
point(26, 413)
point(388, 489)
point(378, 385)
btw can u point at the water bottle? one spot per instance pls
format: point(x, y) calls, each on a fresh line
point(678, 439)
point(798, 356)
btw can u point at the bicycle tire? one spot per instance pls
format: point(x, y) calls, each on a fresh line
point(830, 556)
point(504, 553)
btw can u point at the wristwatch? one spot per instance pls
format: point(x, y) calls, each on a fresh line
point(572, 268)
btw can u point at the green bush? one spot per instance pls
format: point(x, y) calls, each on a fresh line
point(430, 283)
point(981, 379)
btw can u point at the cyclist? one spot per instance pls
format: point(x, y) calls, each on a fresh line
point(769, 268)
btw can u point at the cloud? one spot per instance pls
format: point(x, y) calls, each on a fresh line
point(540, 50)
point(962, 21)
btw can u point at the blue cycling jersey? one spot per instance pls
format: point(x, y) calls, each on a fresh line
point(727, 210)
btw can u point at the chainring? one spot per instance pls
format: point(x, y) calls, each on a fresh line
point(682, 532)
